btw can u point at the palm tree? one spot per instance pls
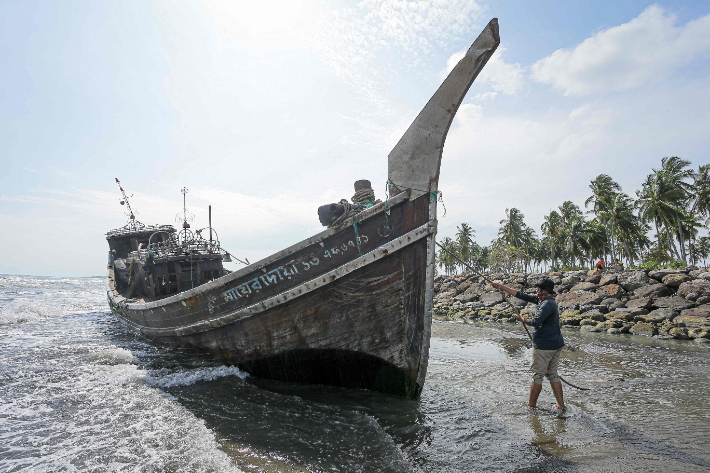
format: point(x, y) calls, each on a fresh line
point(621, 220)
point(530, 243)
point(597, 238)
point(674, 172)
point(551, 228)
point(602, 187)
point(446, 261)
point(569, 210)
point(701, 191)
point(464, 238)
point(512, 228)
point(575, 233)
point(657, 203)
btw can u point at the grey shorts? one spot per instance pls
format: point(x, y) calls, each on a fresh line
point(544, 364)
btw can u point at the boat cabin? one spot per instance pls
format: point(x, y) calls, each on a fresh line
point(153, 262)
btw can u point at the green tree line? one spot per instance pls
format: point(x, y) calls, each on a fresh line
point(673, 202)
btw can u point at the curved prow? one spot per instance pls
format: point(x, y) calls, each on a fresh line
point(415, 161)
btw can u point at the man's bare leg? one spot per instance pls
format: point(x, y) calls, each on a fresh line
point(534, 393)
point(557, 391)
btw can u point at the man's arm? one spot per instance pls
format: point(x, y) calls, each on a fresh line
point(515, 293)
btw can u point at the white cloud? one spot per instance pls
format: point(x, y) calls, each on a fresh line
point(646, 49)
point(352, 40)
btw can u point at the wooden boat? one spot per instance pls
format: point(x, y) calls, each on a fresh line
point(350, 306)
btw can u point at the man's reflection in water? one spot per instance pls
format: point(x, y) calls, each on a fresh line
point(548, 441)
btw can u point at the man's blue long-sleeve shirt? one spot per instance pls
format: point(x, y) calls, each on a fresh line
point(547, 334)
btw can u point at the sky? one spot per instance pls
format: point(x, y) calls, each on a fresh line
point(267, 110)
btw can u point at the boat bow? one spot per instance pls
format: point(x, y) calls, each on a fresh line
point(415, 161)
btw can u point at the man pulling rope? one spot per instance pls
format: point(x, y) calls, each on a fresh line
point(549, 287)
point(546, 339)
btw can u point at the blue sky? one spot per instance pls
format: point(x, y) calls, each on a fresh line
point(266, 110)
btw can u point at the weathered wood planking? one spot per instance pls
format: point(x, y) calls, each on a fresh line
point(280, 275)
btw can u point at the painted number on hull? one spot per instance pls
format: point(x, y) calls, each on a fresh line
point(286, 272)
point(345, 247)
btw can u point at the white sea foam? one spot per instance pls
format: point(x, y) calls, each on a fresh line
point(187, 378)
point(72, 401)
point(20, 311)
point(112, 356)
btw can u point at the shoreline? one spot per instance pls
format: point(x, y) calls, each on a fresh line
point(663, 304)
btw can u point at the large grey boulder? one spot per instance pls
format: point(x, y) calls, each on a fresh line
point(445, 295)
point(594, 279)
point(611, 290)
point(463, 286)
point(653, 290)
point(659, 315)
point(675, 280)
point(608, 278)
point(491, 298)
point(589, 298)
point(518, 278)
point(659, 274)
point(673, 302)
point(568, 300)
point(449, 285)
point(570, 280)
point(471, 294)
point(697, 317)
point(613, 303)
point(594, 315)
point(644, 328)
point(633, 280)
point(699, 286)
point(584, 286)
point(641, 303)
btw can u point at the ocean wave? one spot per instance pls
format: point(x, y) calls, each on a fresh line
point(20, 311)
point(112, 356)
point(187, 378)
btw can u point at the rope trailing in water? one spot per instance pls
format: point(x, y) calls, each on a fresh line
point(525, 326)
point(434, 196)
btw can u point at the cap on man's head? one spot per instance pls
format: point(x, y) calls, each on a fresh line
point(546, 284)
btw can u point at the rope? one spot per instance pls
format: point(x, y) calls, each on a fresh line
point(357, 237)
point(387, 212)
point(525, 326)
point(434, 196)
point(349, 212)
point(364, 197)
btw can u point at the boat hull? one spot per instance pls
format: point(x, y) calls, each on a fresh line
point(355, 318)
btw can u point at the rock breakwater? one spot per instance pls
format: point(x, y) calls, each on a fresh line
point(662, 303)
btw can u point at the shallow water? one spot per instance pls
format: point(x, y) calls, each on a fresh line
point(80, 393)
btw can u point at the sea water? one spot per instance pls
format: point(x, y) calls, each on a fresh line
point(79, 392)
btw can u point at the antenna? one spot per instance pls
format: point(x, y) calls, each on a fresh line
point(133, 224)
point(185, 233)
point(184, 191)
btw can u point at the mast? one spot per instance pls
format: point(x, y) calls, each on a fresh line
point(133, 224)
point(415, 161)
